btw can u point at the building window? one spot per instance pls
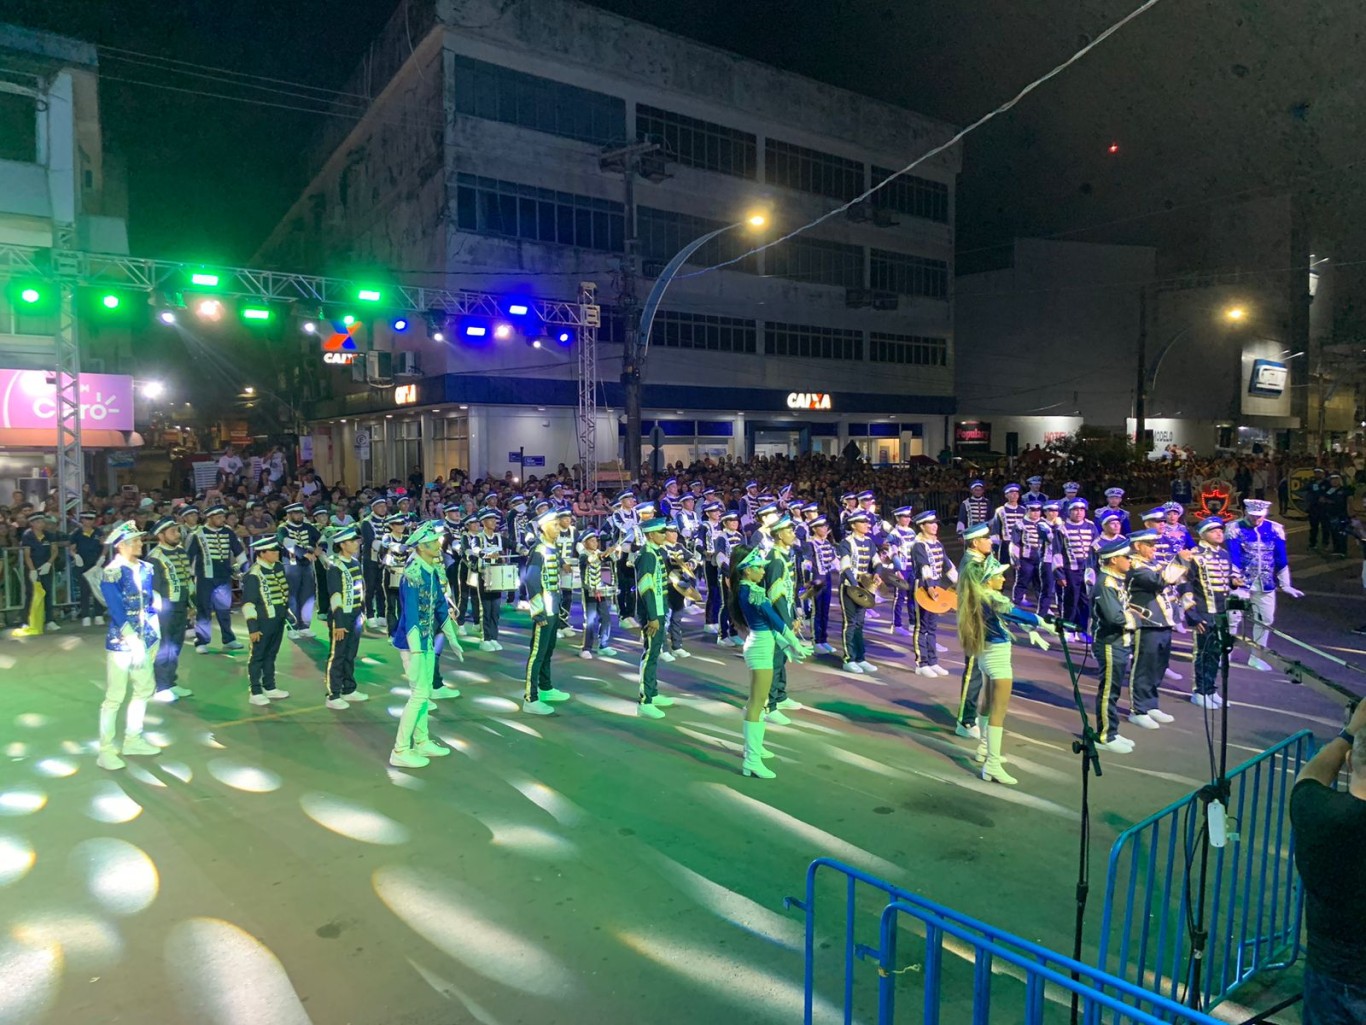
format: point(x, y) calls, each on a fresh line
point(516, 98)
point(13, 322)
point(18, 128)
point(817, 262)
point(486, 206)
point(908, 350)
point(808, 342)
point(908, 275)
point(674, 329)
point(450, 444)
point(809, 170)
point(700, 144)
point(916, 197)
point(663, 233)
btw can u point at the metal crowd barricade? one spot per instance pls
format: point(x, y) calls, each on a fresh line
point(1255, 901)
point(11, 582)
point(991, 975)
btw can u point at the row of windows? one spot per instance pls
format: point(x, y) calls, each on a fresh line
point(500, 94)
point(908, 275)
point(700, 144)
point(677, 330)
point(816, 261)
point(909, 350)
point(808, 342)
point(487, 206)
point(913, 196)
point(810, 170)
point(663, 233)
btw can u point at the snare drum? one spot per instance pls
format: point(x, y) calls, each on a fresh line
point(500, 576)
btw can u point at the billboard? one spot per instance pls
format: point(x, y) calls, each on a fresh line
point(28, 398)
point(972, 435)
point(1268, 378)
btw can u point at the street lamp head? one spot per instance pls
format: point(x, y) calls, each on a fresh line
point(1235, 313)
point(756, 220)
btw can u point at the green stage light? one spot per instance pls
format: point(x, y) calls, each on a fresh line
point(369, 295)
point(205, 279)
point(110, 301)
point(30, 295)
point(348, 320)
point(256, 313)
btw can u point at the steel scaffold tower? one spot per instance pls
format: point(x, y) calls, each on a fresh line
point(591, 317)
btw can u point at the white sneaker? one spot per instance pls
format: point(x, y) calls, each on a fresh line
point(662, 701)
point(867, 666)
point(51, 627)
point(234, 645)
point(497, 646)
point(852, 667)
point(712, 628)
point(276, 694)
point(939, 670)
point(789, 705)
point(1259, 664)
point(777, 718)
point(1144, 721)
point(354, 696)
point(201, 649)
point(487, 646)
point(538, 708)
point(85, 621)
point(825, 649)
point(258, 699)
point(181, 692)
point(926, 671)
point(337, 704)
point(681, 653)
point(585, 653)
point(166, 697)
point(972, 732)
point(372, 623)
point(139, 746)
point(554, 694)
point(666, 656)
point(99, 621)
point(445, 693)
point(564, 632)
point(408, 759)
point(1218, 701)
point(607, 652)
point(1120, 745)
point(1157, 715)
point(870, 614)
point(292, 634)
point(649, 712)
point(1207, 700)
point(940, 648)
point(630, 623)
point(431, 749)
point(109, 759)
point(1171, 674)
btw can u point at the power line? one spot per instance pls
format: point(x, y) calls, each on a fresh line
point(950, 143)
point(117, 53)
point(296, 93)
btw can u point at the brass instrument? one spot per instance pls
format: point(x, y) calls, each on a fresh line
point(682, 578)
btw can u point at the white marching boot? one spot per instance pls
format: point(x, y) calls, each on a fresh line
point(993, 769)
point(753, 764)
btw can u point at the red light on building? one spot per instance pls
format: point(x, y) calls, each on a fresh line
point(1112, 148)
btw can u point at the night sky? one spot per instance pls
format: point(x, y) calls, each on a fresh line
point(1208, 101)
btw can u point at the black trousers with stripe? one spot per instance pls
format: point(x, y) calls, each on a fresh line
point(341, 660)
point(543, 636)
point(1114, 671)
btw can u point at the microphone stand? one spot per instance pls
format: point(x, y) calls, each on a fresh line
point(1216, 792)
point(1090, 758)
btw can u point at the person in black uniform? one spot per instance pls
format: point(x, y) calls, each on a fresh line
point(1112, 626)
point(371, 530)
point(857, 557)
point(1314, 493)
point(173, 581)
point(595, 594)
point(346, 618)
point(542, 581)
point(87, 545)
point(974, 509)
point(216, 554)
point(1150, 586)
point(780, 585)
point(299, 545)
point(1338, 521)
point(265, 606)
point(1212, 577)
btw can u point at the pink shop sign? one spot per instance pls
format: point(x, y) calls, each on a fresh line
point(28, 398)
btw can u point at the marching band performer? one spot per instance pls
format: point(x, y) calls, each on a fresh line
point(730, 539)
point(711, 533)
point(1030, 546)
point(345, 617)
point(677, 557)
point(424, 612)
point(767, 633)
point(1070, 490)
point(1256, 546)
point(467, 608)
point(265, 607)
point(1035, 495)
point(930, 568)
point(1114, 498)
point(848, 506)
point(453, 557)
point(750, 502)
point(568, 546)
point(651, 582)
point(857, 559)
point(130, 645)
point(1053, 557)
point(1078, 535)
point(173, 581)
point(595, 596)
point(821, 561)
point(780, 583)
point(521, 537)
point(974, 509)
point(391, 550)
point(900, 541)
point(371, 530)
point(299, 545)
point(1151, 591)
point(983, 615)
point(1211, 580)
point(1004, 520)
point(544, 589)
point(626, 540)
point(689, 523)
point(216, 555)
point(1113, 624)
point(487, 550)
point(87, 548)
point(322, 523)
point(669, 499)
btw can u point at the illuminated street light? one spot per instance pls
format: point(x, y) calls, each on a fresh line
point(1235, 313)
point(153, 390)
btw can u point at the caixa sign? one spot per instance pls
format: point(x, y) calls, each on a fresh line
point(339, 359)
point(813, 400)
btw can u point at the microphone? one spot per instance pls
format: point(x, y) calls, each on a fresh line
point(1063, 625)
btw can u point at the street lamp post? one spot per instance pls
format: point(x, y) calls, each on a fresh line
point(634, 357)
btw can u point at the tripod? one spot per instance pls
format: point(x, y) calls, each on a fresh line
point(1214, 796)
point(1090, 758)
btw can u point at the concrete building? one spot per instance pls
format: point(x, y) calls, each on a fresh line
point(55, 180)
point(477, 164)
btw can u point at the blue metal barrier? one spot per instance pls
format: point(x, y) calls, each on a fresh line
point(1255, 901)
point(1003, 977)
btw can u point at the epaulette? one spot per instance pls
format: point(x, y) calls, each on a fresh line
point(413, 573)
point(1278, 528)
point(112, 572)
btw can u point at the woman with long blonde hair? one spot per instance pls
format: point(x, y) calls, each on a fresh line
point(984, 614)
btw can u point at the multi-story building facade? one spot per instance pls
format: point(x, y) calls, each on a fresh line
point(477, 163)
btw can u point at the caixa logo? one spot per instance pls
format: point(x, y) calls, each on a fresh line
point(808, 400)
point(101, 407)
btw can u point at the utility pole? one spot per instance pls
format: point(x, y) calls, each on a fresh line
point(1141, 384)
point(649, 160)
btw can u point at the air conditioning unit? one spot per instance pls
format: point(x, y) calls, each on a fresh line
point(885, 301)
point(405, 365)
point(378, 368)
point(859, 212)
point(884, 218)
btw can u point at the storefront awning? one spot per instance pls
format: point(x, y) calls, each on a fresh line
point(37, 437)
